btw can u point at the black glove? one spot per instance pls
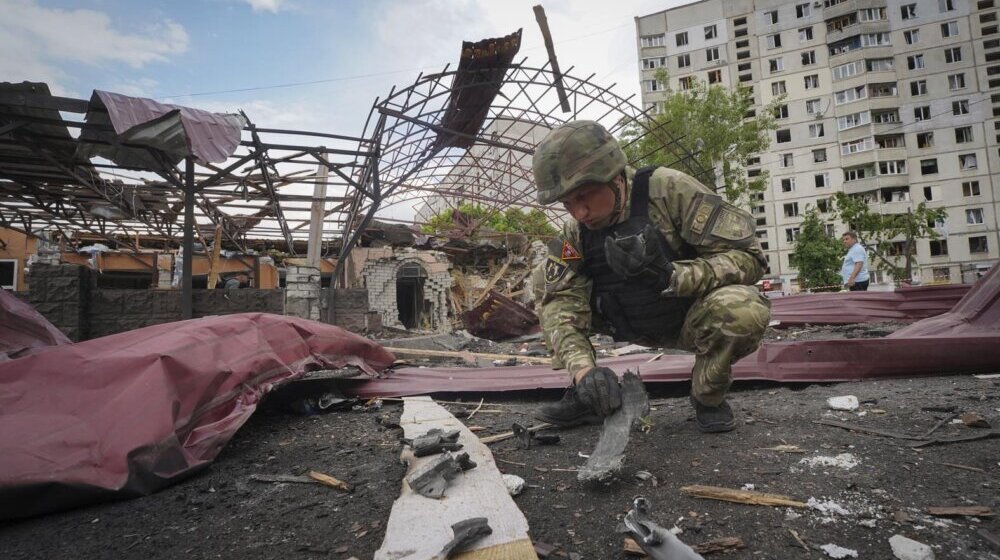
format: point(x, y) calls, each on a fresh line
point(599, 389)
point(639, 258)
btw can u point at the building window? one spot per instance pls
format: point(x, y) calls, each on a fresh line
point(686, 83)
point(771, 17)
point(956, 81)
point(872, 14)
point(849, 95)
point(816, 130)
point(681, 38)
point(782, 136)
point(785, 160)
point(885, 117)
point(875, 40)
point(967, 162)
point(653, 85)
point(915, 62)
point(819, 156)
point(953, 55)
point(711, 32)
point(978, 244)
point(879, 65)
point(922, 113)
point(918, 87)
point(811, 81)
point(928, 166)
point(683, 61)
point(974, 216)
point(939, 247)
point(909, 11)
point(8, 274)
point(654, 63)
point(778, 88)
point(963, 135)
point(892, 167)
point(715, 76)
point(949, 29)
point(824, 206)
point(808, 57)
point(776, 64)
point(970, 188)
point(803, 10)
point(651, 40)
point(822, 180)
point(791, 209)
point(925, 139)
point(812, 106)
point(847, 70)
point(856, 146)
point(949, 5)
point(774, 41)
point(960, 107)
point(932, 193)
point(791, 234)
point(712, 54)
point(912, 36)
point(855, 174)
point(806, 34)
point(853, 120)
point(788, 184)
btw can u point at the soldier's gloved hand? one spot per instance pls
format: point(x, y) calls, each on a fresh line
point(640, 258)
point(599, 389)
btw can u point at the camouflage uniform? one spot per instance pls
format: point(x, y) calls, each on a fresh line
point(728, 316)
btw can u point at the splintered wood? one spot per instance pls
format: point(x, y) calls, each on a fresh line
point(748, 497)
point(328, 480)
point(419, 527)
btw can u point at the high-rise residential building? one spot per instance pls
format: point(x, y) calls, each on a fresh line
point(897, 101)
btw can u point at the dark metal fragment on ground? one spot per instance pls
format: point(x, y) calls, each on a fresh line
point(466, 533)
point(432, 479)
point(609, 455)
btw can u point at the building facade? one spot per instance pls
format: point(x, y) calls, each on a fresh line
point(897, 101)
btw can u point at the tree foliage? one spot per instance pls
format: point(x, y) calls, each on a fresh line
point(710, 122)
point(878, 232)
point(817, 255)
point(533, 223)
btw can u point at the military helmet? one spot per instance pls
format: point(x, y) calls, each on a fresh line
point(572, 155)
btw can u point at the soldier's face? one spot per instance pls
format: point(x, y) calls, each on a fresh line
point(592, 204)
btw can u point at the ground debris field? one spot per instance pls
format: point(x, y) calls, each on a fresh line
point(864, 488)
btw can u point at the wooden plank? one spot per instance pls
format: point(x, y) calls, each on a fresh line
point(213, 265)
point(493, 282)
point(467, 356)
point(419, 527)
point(748, 497)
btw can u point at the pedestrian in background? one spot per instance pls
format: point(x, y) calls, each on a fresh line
point(854, 271)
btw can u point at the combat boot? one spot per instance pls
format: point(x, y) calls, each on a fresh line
point(567, 412)
point(713, 419)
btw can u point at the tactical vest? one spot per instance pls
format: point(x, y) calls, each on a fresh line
point(633, 311)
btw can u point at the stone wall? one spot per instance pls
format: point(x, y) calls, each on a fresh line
point(350, 310)
point(61, 292)
point(302, 292)
point(380, 276)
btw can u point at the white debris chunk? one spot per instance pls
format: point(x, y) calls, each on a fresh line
point(846, 402)
point(828, 506)
point(514, 483)
point(749, 486)
point(834, 551)
point(843, 461)
point(909, 549)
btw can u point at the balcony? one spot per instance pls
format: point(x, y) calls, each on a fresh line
point(888, 102)
point(900, 207)
point(839, 10)
point(860, 186)
point(889, 154)
point(891, 181)
point(852, 134)
point(861, 158)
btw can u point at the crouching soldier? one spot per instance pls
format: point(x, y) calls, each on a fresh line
point(651, 257)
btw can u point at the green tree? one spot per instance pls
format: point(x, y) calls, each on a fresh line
point(710, 122)
point(890, 237)
point(817, 255)
point(533, 223)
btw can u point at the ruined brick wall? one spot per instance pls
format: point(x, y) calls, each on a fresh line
point(61, 293)
point(380, 279)
point(302, 292)
point(350, 310)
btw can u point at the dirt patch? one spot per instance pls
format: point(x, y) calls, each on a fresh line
point(882, 484)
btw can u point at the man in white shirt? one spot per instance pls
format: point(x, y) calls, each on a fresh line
point(854, 271)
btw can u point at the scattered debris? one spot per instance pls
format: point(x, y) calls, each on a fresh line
point(905, 548)
point(974, 420)
point(990, 538)
point(834, 551)
point(433, 442)
point(844, 461)
point(828, 506)
point(846, 402)
point(514, 483)
point(525, 436)
point(432, 479)
point(741, 496)
point(466, 533)
point(467, 356)
point(659, 543)
point(508, 435)
point(609, 454)
point(963, 467)
point(544, 550)
point(784, 449)
point(719, 545)
point(960, 511)
point(330, 481)
point(798, 539)
point(285, 478)
point(987, 376)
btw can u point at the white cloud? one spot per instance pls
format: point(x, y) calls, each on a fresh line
point(265, 5)
point(36, 42)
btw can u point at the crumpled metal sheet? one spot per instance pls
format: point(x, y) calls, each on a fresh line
point(500, 318)
point(177, 131)
point(964, 340)
point(128, 414)
point(844, 308)
point(23, 329)
point(608, 456)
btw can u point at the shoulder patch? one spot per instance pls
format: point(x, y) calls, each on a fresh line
point(568, 252)
point(732, 224)
point(555, 270)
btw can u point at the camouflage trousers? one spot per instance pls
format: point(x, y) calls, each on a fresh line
point(721, 327)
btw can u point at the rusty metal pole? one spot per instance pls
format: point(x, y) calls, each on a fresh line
point(187, 293)
point(543, 24)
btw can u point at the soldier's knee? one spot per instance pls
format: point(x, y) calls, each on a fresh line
point(738, 311)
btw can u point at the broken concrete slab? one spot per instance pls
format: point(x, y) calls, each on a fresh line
point(905, 548)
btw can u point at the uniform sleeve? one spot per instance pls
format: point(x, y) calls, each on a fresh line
point(721, 234)
point(564, 297)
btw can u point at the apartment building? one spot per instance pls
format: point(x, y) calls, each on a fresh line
point(897, 101)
